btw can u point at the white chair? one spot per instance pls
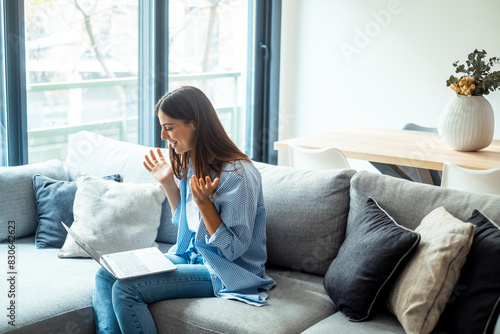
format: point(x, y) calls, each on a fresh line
point(318, 159)
point(478, 181)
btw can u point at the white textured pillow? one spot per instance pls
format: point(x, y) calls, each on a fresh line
point(419, 295)
point(114, 217)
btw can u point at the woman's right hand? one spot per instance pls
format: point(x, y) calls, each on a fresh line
point(159, 168)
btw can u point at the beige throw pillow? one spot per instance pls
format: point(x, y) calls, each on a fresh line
point(113, 217)
point(425, 285)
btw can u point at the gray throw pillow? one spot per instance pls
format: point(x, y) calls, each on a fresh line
point(167, 232)
point(371, 256)
point(306, 215)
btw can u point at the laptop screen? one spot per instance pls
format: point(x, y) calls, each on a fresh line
point(83, 244)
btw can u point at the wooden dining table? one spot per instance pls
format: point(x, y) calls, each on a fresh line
point(397, 147)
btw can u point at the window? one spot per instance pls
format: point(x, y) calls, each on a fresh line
point(82, 66)
point(81, 72)
point(209, 48)
point(100, 66)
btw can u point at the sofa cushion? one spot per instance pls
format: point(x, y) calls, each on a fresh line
point(409, 202)
point(113, 217)
point(382, 323)
point(306, 215)
point(296, 302)
point(475, 305)
point(371, 255)
point(98, 155)
point(54, 295)
point(49, 287)
point(54, 203)
point(17, 199)
point(420, 293)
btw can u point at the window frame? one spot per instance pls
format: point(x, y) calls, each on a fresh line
point(3, 124)
point(153, 65)
point(15, 83)
point(266, 81)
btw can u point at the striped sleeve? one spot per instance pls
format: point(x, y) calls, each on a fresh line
point(237, 205)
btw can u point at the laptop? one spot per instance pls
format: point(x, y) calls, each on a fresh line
point(134, 263)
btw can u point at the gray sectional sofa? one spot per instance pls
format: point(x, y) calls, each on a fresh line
point(309, 214)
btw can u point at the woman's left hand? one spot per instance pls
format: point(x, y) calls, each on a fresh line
point(203, 189)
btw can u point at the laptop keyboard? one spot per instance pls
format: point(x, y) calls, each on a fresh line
point(129, 264)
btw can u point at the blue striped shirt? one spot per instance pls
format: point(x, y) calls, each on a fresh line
point(236, 253)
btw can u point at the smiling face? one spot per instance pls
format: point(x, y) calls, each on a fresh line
point(180, 135)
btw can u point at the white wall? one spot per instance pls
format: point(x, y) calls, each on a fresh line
point(377, 63)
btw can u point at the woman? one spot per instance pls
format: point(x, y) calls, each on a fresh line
point(215, 194)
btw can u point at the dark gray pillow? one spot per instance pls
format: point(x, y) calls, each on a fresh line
point(54, 202)
point(375, 250)
point(306, 215)
point(475, 304)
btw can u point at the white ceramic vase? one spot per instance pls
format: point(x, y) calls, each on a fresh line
point(467, 123)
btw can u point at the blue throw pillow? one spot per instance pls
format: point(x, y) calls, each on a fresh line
point(373, 253)
point(54, 201)
point(474, 306)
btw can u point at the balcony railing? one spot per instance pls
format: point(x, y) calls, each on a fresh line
point(51, 142)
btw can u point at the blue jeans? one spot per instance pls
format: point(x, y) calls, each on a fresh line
point(121, 306)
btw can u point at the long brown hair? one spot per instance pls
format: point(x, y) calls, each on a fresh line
point(212, 146)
